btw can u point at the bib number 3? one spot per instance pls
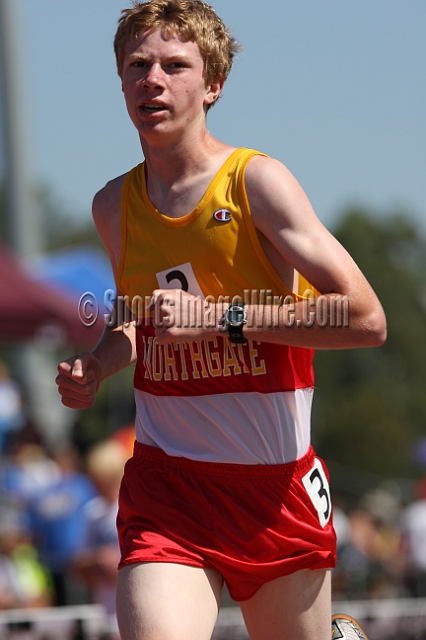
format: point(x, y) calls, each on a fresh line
point(318, 490)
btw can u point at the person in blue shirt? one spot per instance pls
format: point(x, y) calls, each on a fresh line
point(58, 522)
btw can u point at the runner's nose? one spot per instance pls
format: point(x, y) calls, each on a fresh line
point(154, 76)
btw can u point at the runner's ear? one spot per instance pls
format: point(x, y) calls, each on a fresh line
point(213, 91)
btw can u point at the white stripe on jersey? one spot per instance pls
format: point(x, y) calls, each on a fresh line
point(239, 428)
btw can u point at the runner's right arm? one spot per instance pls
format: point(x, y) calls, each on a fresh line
point(79, 377)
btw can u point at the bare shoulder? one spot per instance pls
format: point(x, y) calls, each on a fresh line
point(264, 168)
point(106, 212)
point(275, 196)
point(282, 213)
point(107, 201)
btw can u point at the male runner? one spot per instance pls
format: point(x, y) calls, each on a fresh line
point(233, 283)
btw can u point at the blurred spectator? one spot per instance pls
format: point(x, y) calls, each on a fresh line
point(126, 436)
point(24, 582)
point(11, 407)
point(369, 562)
point(27, 471)
point(383, 504)
point(96, 563)
point(413, 525)
point(340, 521)
point(57, 518)
point(355, 567)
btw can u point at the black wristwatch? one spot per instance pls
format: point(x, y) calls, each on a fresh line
point(235, 317)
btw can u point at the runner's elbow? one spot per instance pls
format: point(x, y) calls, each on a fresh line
point(377, 329)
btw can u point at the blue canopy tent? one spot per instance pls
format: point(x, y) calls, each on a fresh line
point(81, 272)
point(31, 308)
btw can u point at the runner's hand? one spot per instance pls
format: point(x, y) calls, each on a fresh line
point(78, 380)
point(180, 316)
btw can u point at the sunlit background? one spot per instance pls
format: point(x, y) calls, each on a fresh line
point(336, 91)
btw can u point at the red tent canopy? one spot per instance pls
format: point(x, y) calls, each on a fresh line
point(29, 309)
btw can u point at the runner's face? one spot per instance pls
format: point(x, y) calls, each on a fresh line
point(163, 84)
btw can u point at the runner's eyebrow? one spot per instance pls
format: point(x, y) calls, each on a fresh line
point(143, 57)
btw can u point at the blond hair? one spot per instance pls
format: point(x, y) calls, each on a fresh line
point(190, 20)
point(106, 460)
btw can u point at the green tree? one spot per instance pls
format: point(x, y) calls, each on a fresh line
point(62, 229)
point(371, 406)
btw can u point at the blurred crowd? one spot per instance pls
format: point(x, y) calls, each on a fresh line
point(381, 546)
point(58, 541)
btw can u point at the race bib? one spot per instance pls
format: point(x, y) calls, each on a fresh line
point(318, 490)
point(180, 277)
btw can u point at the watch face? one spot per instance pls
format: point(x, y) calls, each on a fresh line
point(236, 316)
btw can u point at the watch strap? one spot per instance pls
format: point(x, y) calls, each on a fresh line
point(236, 334)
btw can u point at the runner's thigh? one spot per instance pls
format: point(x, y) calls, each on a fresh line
point(295, 606)
point(165, 601)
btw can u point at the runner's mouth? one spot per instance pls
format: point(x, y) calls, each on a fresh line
point(149, 108)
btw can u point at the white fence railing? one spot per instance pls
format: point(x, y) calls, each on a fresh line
point(398, 619)
point(83, 622)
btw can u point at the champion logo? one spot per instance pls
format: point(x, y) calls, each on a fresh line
point(222, 215)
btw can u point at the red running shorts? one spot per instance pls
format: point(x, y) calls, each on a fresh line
point(253, 523)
